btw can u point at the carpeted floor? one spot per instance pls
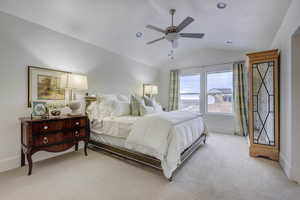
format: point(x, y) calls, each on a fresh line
point(219, 170)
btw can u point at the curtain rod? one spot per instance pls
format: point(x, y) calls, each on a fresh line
point(203, 66)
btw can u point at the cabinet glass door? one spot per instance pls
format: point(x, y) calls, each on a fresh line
point(263, 103)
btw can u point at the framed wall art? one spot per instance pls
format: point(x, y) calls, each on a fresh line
point(39, 109)
point(46, 85)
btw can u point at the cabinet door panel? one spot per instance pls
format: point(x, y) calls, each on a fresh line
point(263, 103)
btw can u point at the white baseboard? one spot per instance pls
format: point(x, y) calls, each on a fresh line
point(15, 162)
point(296, 175)
point(286, 166)
point(9, 163)
point(226, 132)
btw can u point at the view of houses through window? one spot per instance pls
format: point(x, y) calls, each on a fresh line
point(190, 93)
point(218, 92)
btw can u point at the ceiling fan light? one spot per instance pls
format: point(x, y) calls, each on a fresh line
point(139, 34)
point(221, 5)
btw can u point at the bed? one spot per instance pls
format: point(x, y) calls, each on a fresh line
point(144, 139)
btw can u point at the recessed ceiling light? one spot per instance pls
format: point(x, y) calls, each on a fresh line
point(221, 5)
point(139, 34)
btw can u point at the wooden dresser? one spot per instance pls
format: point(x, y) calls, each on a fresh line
point(52, 135)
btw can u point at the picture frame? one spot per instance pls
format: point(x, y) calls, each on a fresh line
point(46, 85)
point(39, 109)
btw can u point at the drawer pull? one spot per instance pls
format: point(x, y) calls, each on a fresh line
point(45, 127)
point(45, 140)
point(76, 133)
point(77, 123)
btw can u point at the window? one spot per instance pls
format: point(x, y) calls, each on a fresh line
point(219, 89)
point(190, 93)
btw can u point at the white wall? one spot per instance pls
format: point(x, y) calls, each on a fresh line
point(289, 151)
point(215, 123)
point(296, 105)
point(23, 43)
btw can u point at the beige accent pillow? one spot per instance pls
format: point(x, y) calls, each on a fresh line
point(135, 105)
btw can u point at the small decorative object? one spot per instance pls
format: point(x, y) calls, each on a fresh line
point(75, 107)
point(55, 108)
point(46, 85)
point(39, 109)
point(55, 113)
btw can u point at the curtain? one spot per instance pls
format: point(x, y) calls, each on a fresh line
point(240, 76)
point(173, 90)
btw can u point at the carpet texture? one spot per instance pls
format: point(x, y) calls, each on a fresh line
point(219, 170)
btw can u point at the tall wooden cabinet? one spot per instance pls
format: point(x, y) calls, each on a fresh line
point(264, 104)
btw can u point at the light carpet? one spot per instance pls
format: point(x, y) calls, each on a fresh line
point(219, 170)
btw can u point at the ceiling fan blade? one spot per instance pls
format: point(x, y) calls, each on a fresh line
point(156, 28)
point(156, 40)
point(174, 44)
point(184, 23)
point(192, 35)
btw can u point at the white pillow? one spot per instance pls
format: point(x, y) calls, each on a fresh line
point(97, 111)
point(106, 97)
point(123, 98)
point(120, 108)
point(105, 109)
point(157, 107)
point(146, 110)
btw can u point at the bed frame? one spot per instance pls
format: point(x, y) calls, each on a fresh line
point(140, 157)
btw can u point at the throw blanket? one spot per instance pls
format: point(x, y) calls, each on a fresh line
point(165, 135)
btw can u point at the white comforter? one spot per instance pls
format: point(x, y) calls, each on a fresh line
point(114, 126)
point(165, 136)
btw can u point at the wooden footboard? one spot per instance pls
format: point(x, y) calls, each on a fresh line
point(145, 159)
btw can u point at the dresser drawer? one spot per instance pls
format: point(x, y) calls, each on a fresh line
point(77, 123)
point(52, 135)
point(49, 139)
point(79, 133)
point(50, 126)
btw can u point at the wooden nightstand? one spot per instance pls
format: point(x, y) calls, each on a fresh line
point(52, 135)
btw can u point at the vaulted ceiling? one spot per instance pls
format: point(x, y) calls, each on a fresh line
point(113, 24)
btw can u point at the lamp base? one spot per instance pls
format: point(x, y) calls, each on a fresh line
point(75, 107)
point(74, 114)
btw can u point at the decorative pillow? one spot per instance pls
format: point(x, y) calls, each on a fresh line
point(135, 103)
point(106, 97)
point(157, 107)
point(145, 110)
point(120, 109)
point(148, 101)
point(92, 111)
point(97, 111)
point(123, 98)
point(105, 108)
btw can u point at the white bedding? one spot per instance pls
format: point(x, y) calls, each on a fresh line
point(165, 136)
point(114, 126)
point(161, 135)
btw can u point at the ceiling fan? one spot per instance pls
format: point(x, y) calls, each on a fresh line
point(173, 33)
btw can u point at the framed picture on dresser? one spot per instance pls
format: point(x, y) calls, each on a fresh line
point(46, 85)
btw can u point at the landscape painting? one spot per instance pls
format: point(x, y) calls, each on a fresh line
point(49, 88)
point(46, 85)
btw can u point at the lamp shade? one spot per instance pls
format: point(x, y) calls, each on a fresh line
point(150, 90)
point(77, 81)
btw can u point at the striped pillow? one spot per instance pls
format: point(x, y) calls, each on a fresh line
point(135, 104)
